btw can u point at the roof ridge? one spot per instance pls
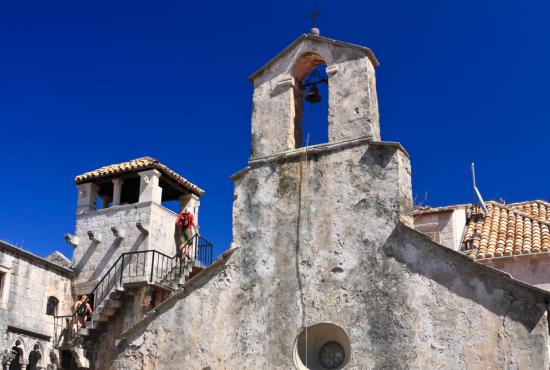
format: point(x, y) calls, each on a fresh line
point(136, 165)
point(539, 201)
point(521, 213)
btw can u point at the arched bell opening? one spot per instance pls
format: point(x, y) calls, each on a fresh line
point(310, 100)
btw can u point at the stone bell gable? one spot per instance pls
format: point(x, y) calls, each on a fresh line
point(278, 96)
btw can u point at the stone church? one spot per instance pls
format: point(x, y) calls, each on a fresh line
point(330, 266)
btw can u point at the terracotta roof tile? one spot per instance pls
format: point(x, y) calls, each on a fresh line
point(137, 165)
point(507, 230)
point(538, 209)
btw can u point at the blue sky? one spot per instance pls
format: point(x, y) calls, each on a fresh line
point(88, 83)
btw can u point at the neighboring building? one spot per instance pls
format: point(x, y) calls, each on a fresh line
point(33, 291)
point(445, 225)
point(325, 270)
point(124, 259)
point(514, 237)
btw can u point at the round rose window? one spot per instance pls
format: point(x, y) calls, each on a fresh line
point(322, 346)
point(332, 355)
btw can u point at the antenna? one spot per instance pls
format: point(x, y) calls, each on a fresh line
point(476, 191)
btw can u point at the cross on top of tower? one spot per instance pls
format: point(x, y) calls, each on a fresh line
point(314, 14)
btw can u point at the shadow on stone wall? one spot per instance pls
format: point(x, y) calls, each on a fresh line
point(466, 278)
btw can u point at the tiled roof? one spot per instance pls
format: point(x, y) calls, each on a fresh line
point(538, 209)
point(419, 210)
point(136, 165)
point(506, 230)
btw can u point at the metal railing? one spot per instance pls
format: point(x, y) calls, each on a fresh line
point(203, 250)
point(62, 329)
point(149, 266)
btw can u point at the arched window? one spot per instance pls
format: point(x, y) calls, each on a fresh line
point(51, 307)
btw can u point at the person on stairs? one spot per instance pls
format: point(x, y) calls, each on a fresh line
point(82, 309)
point(185, 224)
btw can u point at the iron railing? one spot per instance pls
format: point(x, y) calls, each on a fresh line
point(149, 266)
point(62, 329)
point(203, 250)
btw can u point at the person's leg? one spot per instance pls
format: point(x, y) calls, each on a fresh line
point(181, 244)
point(188, 240)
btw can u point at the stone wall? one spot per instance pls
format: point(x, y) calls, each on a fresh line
point(321, 241)
point(531, 269)
point(28, 282)
point(91, 260)
point(162, 228)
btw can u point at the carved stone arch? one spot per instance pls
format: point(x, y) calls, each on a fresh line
point(305, 62)
point(19, 352)
point(35, 358)
point(20, 342)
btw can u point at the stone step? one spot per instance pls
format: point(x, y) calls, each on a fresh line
point(106, 311)
point(100, 316)
point(113, 303)
point(85, 332)
point(115, 294)
point(98, 326)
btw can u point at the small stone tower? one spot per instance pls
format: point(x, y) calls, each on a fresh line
point(119, 209)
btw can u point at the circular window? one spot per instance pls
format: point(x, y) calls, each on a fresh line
point(322, 347)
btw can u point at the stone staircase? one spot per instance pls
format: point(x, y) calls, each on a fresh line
point(128, 275)
point(179, 274)
point(173, 280)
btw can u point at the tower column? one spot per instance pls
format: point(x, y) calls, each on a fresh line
point(192, 201)
point(149, 189)
point(273, 117)
point(117, 191)
point(105, 200)
point(353, 105)
point(87, 198)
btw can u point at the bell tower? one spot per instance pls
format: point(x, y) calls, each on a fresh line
point(279, 94)
point(311, 223)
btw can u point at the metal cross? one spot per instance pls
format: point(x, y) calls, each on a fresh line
point(314, 15)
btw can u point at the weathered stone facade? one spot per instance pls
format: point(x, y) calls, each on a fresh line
point(322, 239)
point(404, 301)
point(92, 258)
point(27, 284)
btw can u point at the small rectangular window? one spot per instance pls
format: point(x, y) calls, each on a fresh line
point(2, 279)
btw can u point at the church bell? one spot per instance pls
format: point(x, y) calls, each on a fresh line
point(313, 95)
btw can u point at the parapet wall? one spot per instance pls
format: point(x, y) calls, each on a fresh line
point(91, 260)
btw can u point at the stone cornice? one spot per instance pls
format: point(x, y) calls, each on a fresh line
point(5, 246)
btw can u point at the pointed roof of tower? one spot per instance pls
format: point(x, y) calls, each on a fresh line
point(316, 38)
